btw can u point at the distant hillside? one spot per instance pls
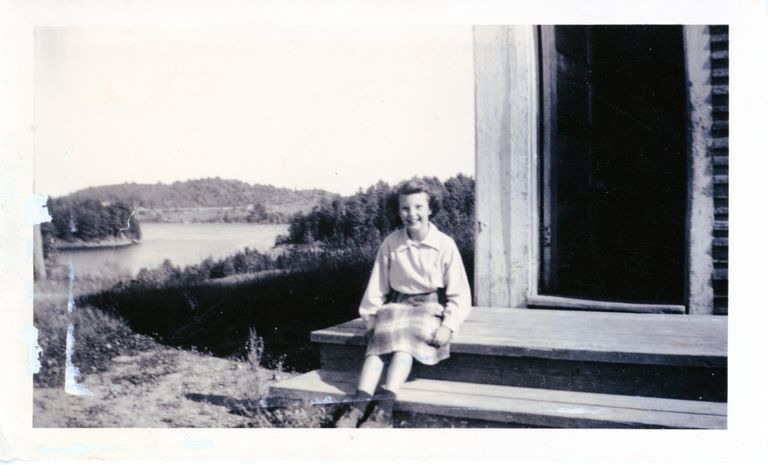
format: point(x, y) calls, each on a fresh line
point(206, 193)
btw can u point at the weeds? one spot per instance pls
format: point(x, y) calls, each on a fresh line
point(255, 348)
point(253, 358)
point(257, 412)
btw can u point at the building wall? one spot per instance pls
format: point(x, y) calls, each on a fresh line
point(506, 123)
point(719, 79)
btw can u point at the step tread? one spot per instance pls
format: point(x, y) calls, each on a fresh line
point(538, 407)
point(686, 340)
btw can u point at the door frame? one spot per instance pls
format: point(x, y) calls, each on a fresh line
point(507, 141)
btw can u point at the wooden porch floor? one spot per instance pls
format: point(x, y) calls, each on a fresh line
point(680, 340)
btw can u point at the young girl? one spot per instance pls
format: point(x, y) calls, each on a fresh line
point(404, 317)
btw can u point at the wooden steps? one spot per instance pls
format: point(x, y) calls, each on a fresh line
point(642, 370)
point(514, 405)
point(676, 356)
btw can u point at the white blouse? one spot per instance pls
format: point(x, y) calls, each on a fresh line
point(416, 268)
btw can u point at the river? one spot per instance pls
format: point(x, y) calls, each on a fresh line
point(182, 243)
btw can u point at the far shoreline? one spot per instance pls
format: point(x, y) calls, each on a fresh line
point(214, 222)
point(100, 244)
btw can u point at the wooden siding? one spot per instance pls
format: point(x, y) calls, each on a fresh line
point(719, 79)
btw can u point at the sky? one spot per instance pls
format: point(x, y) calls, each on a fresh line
point(336, 108)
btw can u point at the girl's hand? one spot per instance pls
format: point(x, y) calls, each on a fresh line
point(441, 337)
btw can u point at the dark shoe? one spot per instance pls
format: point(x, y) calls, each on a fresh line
point(354, 411)
point(350, 418)
point(381, 415)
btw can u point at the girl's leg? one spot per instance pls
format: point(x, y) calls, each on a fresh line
point(370, 374)
point(382, 414)
point(369, 378)
point(399, 369)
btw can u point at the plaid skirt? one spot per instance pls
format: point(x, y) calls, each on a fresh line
point(406, 324)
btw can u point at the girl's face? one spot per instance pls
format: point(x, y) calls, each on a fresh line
point(414, 212)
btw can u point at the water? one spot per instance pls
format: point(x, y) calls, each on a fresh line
point(183, 244)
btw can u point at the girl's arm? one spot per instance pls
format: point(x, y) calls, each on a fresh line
point(377, 290)
point(457, 291)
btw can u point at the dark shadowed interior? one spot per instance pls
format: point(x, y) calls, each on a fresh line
point(617, 174)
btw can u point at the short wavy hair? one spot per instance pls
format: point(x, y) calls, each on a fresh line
point(413, 186)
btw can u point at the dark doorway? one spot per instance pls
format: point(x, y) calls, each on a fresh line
point(613, 170)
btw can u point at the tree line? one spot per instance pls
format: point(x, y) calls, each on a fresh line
point(367, 216)
point(89, 220)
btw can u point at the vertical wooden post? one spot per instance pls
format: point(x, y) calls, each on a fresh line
point(548, 141)
point(38, 267)
point(701, 208)
point(505, 138)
